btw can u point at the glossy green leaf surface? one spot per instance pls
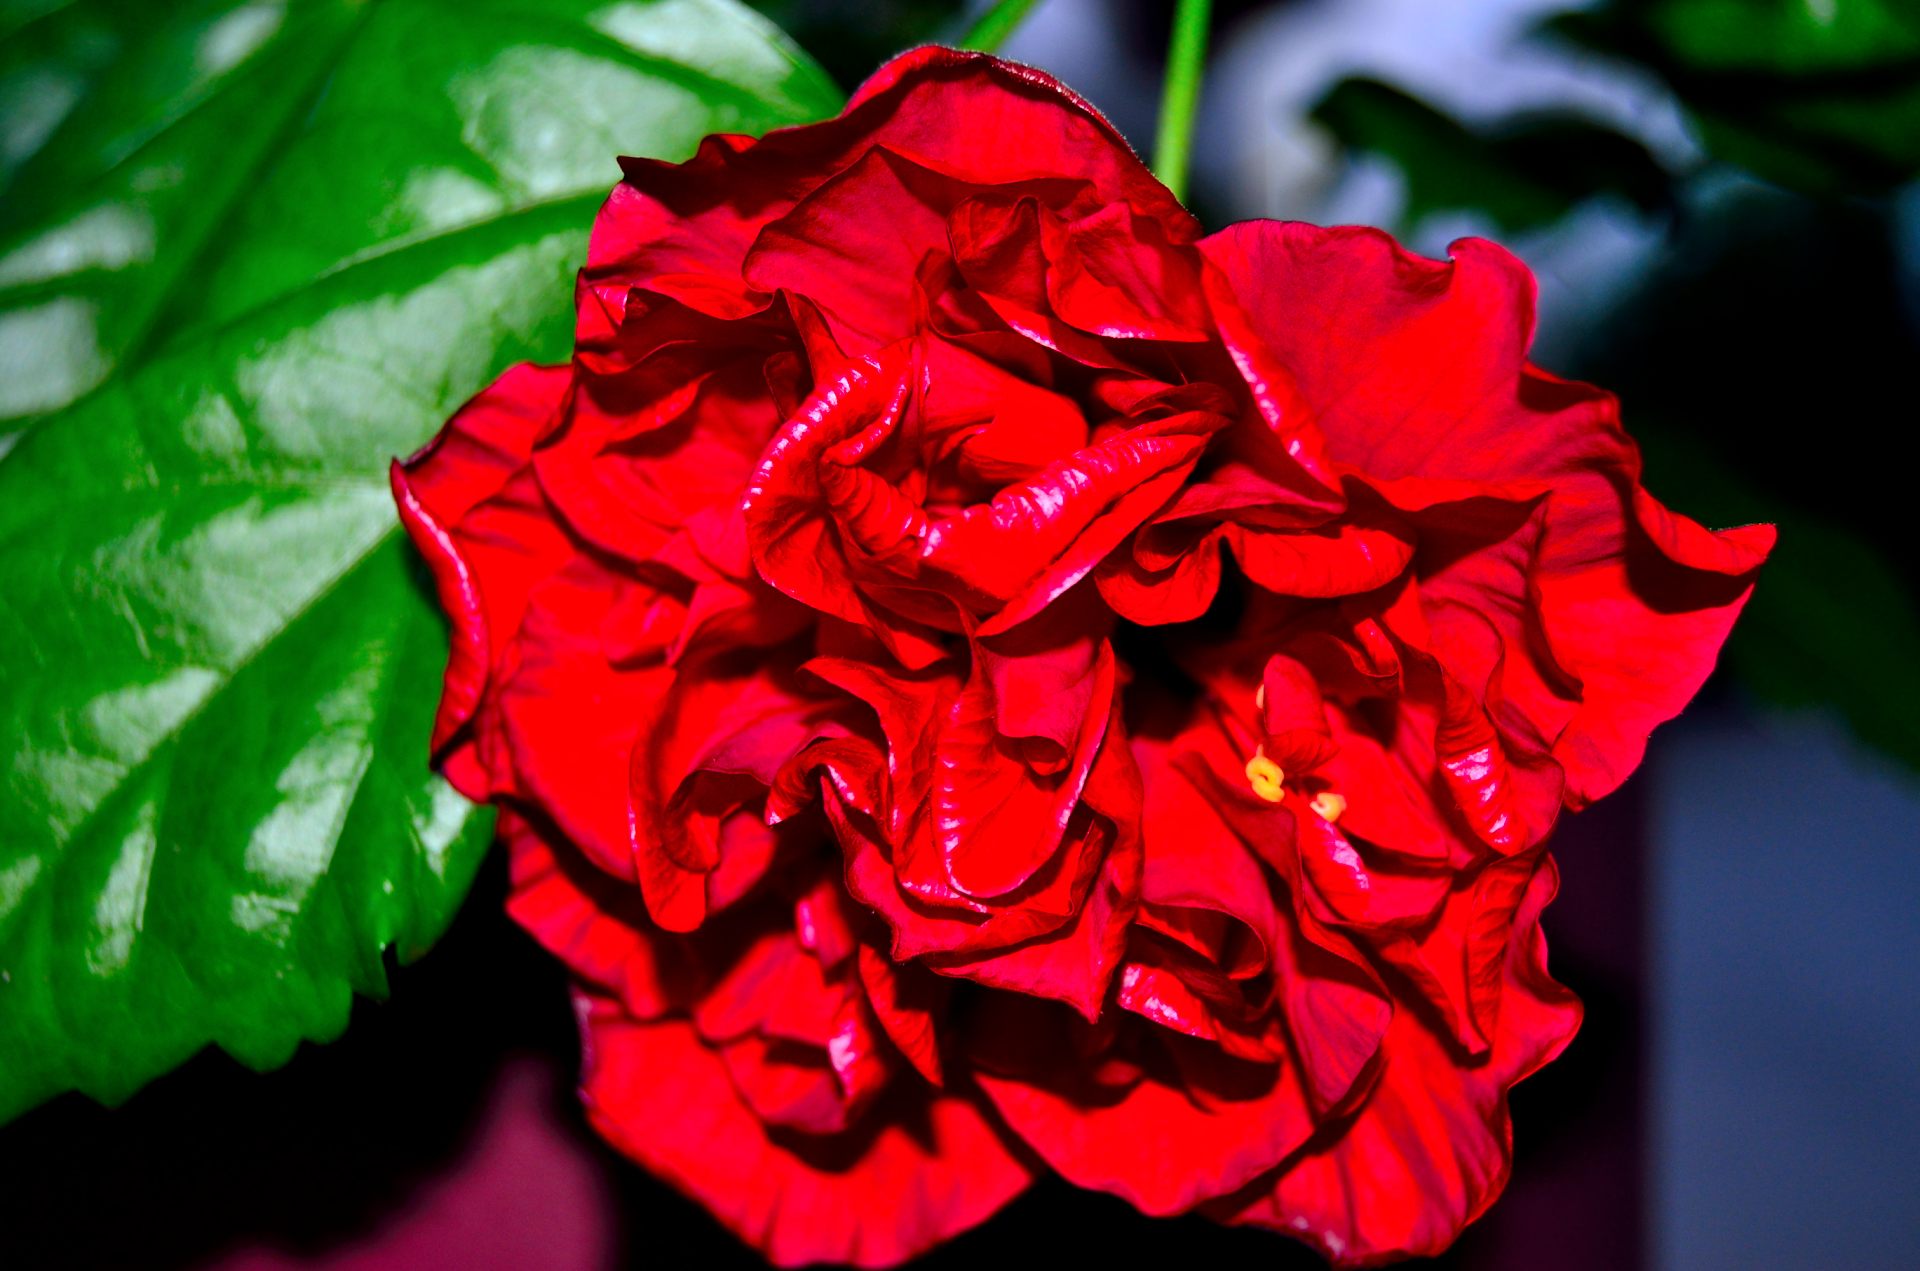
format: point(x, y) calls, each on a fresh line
point(1819, 95)
point(294, 237)
point(1527, 173)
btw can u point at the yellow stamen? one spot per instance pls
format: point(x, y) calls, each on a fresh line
point(1266, 778)
point(1328, 806)
point(1260, 698)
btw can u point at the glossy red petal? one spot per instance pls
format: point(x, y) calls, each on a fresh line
point(1196, 1126)
point(1457, 330)
point(1011, 758)
point(922, 1166)
point(708, 747)
point(1431, 1147)
point(1202, 886)
point(594, 923)
point(1347, 559)
point(907, 706)
point(796, 543)
point(1333, 1002)
point(1293, 716)
point(1045, 129)
point(1342, 886)
point(798, 1039)
point(772, 988)
point(1074, 961)
point(627, 492)
point(1178, 591)
point(909, 1002)
point(1000, 426)
point(924, 924)
point(571, 718)
point(1641, 634)
point(469, 503)
point(1634, 600)
point(1114, 273)
point(1474, 767)
point(999, 243)
point(853, 247)
point(1032, 542)
point(685, 229)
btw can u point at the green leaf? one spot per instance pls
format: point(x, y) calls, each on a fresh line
point(1819, 95)
point(218, 662)
point(176, 164)
point(1525, 173)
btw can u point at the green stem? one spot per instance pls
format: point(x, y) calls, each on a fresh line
point(995, 25)
point(1186, 57)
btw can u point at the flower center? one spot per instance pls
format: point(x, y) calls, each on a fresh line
point(1269, 779)
point(1266, 776)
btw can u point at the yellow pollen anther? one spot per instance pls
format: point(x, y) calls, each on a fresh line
point(1328, 806)
point(1266, 778)
point(1260, 698)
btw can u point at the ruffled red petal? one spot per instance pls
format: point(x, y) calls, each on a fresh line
point(1431, 1147)
point(469, 503)
point(1634, 601)
point(955, 637)
point(595, 924)
point(922, 1167)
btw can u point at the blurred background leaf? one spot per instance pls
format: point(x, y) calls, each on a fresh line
point(288, 239)
point(1819, 95)
point(1529, 172)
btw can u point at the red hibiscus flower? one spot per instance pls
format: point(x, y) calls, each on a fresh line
point(983, 677)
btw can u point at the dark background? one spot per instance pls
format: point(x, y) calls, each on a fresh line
point(1732, 243)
